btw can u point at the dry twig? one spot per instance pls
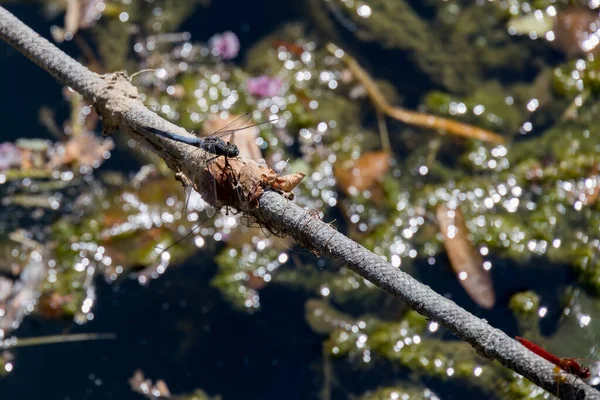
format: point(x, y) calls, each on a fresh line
point(412, 117)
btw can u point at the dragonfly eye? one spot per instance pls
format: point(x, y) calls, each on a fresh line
point(585, 371)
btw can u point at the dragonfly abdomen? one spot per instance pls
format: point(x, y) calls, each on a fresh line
point(192, 141)
point(211, 144)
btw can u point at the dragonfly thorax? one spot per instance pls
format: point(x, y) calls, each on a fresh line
point(219, 147)
point(573, 367)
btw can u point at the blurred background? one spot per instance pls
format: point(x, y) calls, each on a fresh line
point(457, 139)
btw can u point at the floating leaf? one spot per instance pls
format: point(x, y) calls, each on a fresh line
point(363, 173)
point(85, 149)
point(464, 258)
point(577, 31)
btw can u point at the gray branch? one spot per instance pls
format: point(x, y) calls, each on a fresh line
point(117, 101)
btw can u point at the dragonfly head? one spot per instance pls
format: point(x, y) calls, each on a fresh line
point(584, 373)
point(232, 150)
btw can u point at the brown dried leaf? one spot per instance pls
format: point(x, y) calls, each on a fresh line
point(179, 91)
point(240, 181)
point(72, 17)
point(573, 29)
point(285, 183)
point(137, 379)
point(255, 282)
point(162, 388)
point(411, 117)
point(6, 287)
point(143, 386)
point(86, 148)
point(466, 262)
point(592, 193)
point(363, 173)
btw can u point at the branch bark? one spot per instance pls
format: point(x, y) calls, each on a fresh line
point(117, 101)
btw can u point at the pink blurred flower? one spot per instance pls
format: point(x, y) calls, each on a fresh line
point(264, 86)
point(226, 45)
point(10, 156)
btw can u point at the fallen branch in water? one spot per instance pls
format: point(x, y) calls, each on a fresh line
point(13, 342)
point(407, 116)
point(117, 101)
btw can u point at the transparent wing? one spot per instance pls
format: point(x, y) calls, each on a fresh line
point(208, 190)
point(239, 124)
point(235, 125)
point(594, 378)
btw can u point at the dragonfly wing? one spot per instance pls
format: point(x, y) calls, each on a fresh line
point(237, 124)
point(193, 200)
point(240, 123)
point(210, 211)
point(594, 378)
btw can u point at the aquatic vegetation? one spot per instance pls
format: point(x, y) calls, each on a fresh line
point(10, 156)
point(413, 344)
point(505, 139)
point(399, 392)
point(159, 389)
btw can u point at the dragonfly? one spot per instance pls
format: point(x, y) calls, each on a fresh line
point(210, 148)
point(568, 365)
point(212, 144)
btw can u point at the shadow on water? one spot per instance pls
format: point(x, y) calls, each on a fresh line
point(178, 329)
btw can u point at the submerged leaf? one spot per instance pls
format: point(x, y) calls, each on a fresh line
point(363, 173)
point(464, 258)
point(85, 149)
point(577, 31)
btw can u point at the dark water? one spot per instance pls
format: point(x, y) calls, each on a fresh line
point(179, 328)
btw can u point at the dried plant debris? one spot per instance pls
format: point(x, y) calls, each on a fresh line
point(241, 181)
point(85, 149)
point(464, 258)
point(79, 15)
point(412, 117)
point(362, 174)
point(573, 30)
point(20, 296)
point(159, 390)
point(152, 391)
point(26, 156)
